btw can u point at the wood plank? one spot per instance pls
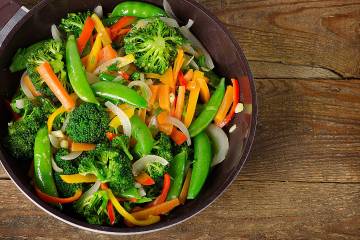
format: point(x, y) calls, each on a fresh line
point(307, 131)
point(309, 33)
point(258, 210)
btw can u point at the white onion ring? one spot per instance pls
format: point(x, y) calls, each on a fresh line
point(221, 143)
point(24, 88)
point(125, 121)
point(189, 24)
point(180, 125)
point(140, 164)
point(189, 49)
point(170, 22)
point(55, 167)
point(58, 134)
point(142, 192)
point(54, 141)
point(20, 103)
point(110, 62)
point(142, 77)
point(71, 156)
point(98, 10)
point(194, 64)
point(55, 33)
point(144, 88)
point(168, 9)
point(94, 188)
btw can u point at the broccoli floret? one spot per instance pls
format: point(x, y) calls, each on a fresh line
point(87, 123)
point(162, 147)
point(21, 133)
point(69, 167)
point(53, 52)
point(154, 46)
point(156, 170)
point(122, 143)
point(89, 164)
point(135, 76)
point(74, 23)
point(93, 207)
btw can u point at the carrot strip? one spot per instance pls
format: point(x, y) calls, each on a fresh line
point(119, 25)
point(177, 66)
point(167, 77)
point(144, 179)
point(154, 90)
point(178, 137)
point(189, 75)
point(180, 102)
point(225, 105)
point(85, 35)
point(28, 83)
point(78, 147)
point(162, 118)
point(48, 75)
point(106, 53)
point(185, 188)
point(191, 107)
point(159, 209)
point(164, 97)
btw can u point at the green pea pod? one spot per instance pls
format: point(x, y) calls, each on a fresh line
point(177, 172)
point(76, 72)
point(142, 135)
point(131, 193)
point(106, 77)
point(137, 9)
point(201, 164)
point(116, 91)
point(44, 179)
point(209, 112)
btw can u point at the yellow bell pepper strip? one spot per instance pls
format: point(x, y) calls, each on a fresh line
point(180, 102)
point(79, 147)
point(185, 188)
point(189, 75)
point(154, 94)
point(167, 77)
point(52, 117)
point(156, 210)
point(152, 75)
point(162, 118)
point(57, 200)
point(225, 105)
point(78, 178)
point(164, 97)
point(179, 60)
point(105, 37)
point(128, 110)
point(127, 216)
point(94, 55)
point(198, 77)
point(191, 85)
point(191, 107)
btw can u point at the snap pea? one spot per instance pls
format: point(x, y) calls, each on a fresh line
point(131, 193)
point(142, 135)
point(209, 112)
point(137, 9)
point(106, 77)
point(44, 179)
point(201, 164)
point(76, 72)
point(177, 172)
point(116, 91)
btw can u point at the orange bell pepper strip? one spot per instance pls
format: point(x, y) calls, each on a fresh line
point(85, 35)
point(167, 77)
point(236, 98)
point(144, 179)
point(106, 53)
point(127, 216)
point(225, 105)
point(162, 118)
point(179, 60)
point(180, 101)
point(50, 78)
point(185, 188)
point(52, 117)
point(164, 97)
point(79, 147)
point(159, 209)
point(178, 137)
point(101, 30)
point(57, 200)
point(166, 128)
point(154, 94)
point(28, 83)
point(85, 59)
point(119, 25)
point(110, 136)
point(94, 55)
point(164, 192)
point(78, 178)
point(191, 85)
point(191, 107)
point(198, 77)
point(142, 114)
point(189, 75)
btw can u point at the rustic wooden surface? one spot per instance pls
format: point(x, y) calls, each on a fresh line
point(302, 180)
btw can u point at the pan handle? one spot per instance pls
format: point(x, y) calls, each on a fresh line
point(11, 12)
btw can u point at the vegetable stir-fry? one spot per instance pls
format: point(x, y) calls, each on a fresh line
point(121, 115)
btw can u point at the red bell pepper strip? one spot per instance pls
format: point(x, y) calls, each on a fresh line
point(236, 97)
point(144, 179)
point(110, 135)
point(57, 200)
point(85, 35)
point(119, 25)
point(109, 206)
point(124, 75)
point(181, 78)
point(162, 197)
point(178, 137)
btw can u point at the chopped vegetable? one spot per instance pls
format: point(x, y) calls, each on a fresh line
point(164, 97)
point(50, 199)
point(80, 147)
point(78, 178)
point(119, 25)
point(236, 97)
point(85, 35)
point(144, 179)
point(191, 106)
point(156, 210)
point(105, 37)
point(225, 105)
point(94, 55)
point(137, 9)
point(185, 188)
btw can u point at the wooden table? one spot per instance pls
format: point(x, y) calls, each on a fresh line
point(302, 180)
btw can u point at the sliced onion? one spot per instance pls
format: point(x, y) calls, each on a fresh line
point(55, 33)
point(58, 134)
point(71, 156)
point(142, 77)
point(123, 60)
point(142, 192)
point(24, 88)
point(94, 188)
point(221, 143)
point(189, 49)
point(180, 125)
point(197, 44)
point(189, 24)
point(98, 10)
point(54, 141)
point(20, 103)
point(137, 185)
point(232, 129)
point(144, 88)
point(168, 9)
point(153, 122)
point(125, 121)
point(239, 108)
point(55, 167)
point(170, 22)
point(140, 164)
point(194, 65)
point(66, 122)
point(141, 23)
point(92, 78)
point(64, 143)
